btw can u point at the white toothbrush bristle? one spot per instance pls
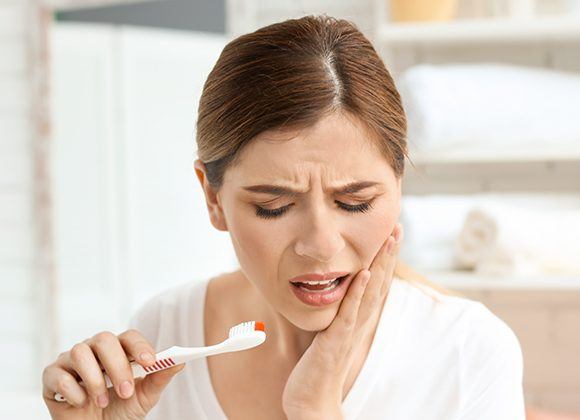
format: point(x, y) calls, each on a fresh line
point(245, 327)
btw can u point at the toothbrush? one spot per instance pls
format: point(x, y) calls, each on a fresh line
point(241, 337)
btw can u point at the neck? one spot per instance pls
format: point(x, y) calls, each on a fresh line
point(284, 339)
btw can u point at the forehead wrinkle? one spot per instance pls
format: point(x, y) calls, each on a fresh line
point(289, 190)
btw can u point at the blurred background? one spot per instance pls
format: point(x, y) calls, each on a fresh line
point(100, 208)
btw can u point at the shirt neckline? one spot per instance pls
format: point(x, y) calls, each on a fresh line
point(370, 372)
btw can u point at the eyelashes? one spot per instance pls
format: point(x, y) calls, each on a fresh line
point(271, 214)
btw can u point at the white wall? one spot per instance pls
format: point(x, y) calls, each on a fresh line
point(17, 235)
point(130, 215)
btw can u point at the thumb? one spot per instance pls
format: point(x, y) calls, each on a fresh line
point(152, 385)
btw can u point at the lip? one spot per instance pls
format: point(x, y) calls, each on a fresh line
point(318, 276)
point(323, 298)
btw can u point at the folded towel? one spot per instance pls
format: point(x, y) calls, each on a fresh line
point(503, 240)
point(434, 222)
point(431, 225)
point(490, 105)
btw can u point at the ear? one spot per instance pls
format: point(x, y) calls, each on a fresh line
point(214, 208)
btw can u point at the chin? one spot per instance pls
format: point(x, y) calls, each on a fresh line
point(314, 323)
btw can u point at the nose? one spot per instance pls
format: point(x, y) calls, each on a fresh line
point(320, 237)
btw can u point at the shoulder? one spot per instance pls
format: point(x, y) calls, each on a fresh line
point(483, 351)
point(487, 342)
point(476, 332)
point(490, 368)
point(427, 304)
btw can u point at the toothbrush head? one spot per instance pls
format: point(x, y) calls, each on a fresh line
point(245, 327)
point(246, 335)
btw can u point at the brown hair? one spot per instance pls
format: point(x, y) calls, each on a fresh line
point(288, 76)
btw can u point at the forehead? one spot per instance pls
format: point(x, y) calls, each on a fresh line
point(338, 146)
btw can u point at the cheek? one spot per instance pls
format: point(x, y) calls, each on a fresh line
point(369, 233)
point(257, 248)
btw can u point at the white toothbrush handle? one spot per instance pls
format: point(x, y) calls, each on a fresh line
point(176, 355)
point(138, 372)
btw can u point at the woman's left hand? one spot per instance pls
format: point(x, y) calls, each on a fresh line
point(315, 387)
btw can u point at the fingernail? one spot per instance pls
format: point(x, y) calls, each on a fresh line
point(103, 399)
point(126, 389)
point(146, 356)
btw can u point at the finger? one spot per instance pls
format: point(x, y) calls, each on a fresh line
point(84, 362)
point(378, 269)
point(381, 270)
point(108, 349)
point(394, 253)
point(137, 347)
point(56, 379)
point(149, 389)
point(346, 318)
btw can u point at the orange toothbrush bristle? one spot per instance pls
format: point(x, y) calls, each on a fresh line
point(259, 326)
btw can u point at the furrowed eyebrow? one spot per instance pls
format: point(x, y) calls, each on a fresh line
point(287, 191)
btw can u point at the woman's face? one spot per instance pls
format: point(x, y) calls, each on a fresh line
point(314, 231)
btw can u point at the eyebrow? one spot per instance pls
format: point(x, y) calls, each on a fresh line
point(287, 191)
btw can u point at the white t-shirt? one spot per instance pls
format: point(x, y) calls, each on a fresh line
point(443, 359)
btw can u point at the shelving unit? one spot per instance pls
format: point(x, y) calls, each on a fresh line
point(482, 30)
point(470, 281)
point(539, 41)
point(451, 155)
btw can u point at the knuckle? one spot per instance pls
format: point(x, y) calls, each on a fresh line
point(133, 338)
point(46, 372)
point(78, 352)
point(103, 338)
point(132, 332)
point(349, 322)
point(63, 384)
point(95, 384)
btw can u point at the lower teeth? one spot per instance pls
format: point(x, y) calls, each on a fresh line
point(330, 286)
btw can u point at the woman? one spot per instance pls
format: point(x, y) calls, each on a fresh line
point(301, 141)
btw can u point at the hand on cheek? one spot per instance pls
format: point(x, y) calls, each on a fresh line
point(326, 363)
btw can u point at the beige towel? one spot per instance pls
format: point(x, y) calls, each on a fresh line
point(505, 240)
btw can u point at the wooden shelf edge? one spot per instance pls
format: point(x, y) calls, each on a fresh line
point(467, 280)
point(481, 30)
point(494, 156)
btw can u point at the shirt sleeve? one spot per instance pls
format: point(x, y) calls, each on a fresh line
point(491, 370)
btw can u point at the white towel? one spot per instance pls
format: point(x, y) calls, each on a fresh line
point(433, 223)
point(504, 240)
point(490, 106)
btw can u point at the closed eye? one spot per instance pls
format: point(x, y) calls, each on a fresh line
point(270, 214)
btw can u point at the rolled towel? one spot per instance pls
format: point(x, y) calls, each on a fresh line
point(505, 240)
point(490, 105)
point(433, 222)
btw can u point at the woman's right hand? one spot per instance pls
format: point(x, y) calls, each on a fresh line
point(130, 399)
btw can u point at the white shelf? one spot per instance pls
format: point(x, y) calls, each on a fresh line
point(469, 280)
point(482, 30)
point(456, 154)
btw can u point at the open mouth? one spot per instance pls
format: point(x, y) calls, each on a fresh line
point(320, 286)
